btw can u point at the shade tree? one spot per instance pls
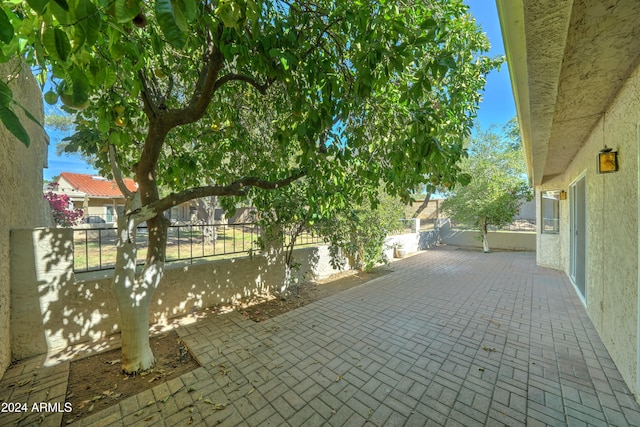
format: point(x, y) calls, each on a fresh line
point(498, 184)
point(250, 96)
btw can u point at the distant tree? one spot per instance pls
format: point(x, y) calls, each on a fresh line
point(498, 185)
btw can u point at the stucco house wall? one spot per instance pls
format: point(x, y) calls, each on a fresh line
point(21, 190)
point(612, 229)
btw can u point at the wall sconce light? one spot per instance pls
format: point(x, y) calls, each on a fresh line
point(563, 195)
point(607, 160)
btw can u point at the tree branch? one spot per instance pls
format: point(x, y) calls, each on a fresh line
point(147, 95)
point(262, 88)
point(117, 173)
point(206, 84)
point(239, 187)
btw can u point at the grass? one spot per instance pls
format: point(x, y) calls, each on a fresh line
point(97, 250)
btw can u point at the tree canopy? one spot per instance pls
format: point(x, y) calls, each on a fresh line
point(223, 97)
point(498, 185)
point(384, 87)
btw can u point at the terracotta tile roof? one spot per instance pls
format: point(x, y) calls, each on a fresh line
point(96, 186)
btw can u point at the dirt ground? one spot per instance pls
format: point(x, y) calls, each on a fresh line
point(96, 382)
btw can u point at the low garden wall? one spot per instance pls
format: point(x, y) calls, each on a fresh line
point(53, 308)
point(502, 240)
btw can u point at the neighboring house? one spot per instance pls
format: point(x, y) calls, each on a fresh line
point(576, 80)
point(99, 198)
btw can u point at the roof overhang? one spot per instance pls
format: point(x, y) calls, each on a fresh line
point(567, 60)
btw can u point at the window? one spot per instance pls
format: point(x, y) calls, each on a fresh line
point(109, 213)
point(550, 212)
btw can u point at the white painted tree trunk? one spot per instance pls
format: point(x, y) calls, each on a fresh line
point(134, 330)
point(133, 295)
point(485, 241)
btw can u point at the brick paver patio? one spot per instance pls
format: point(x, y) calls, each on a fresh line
point(451, 337)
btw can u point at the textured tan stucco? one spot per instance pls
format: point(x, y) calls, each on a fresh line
point(22, 204)
point(567, 60)
point(612, 229)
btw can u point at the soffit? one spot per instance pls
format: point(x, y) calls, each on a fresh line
point(568, 60)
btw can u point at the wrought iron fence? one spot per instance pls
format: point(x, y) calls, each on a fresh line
point(95, 248)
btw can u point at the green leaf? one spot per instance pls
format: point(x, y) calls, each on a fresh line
point(6, 95)
point(62, 15)
point(57, 43)
point(167, 19)
point(126, 10)
point(38, 5)
point(229, 13)
point(6, 29)
point(12, 123)
point(63, 4)
point(188, 8)
point(88, 21)
point(110, 77)
point(81, 86)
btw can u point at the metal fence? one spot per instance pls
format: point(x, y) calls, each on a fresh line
point(95, 248)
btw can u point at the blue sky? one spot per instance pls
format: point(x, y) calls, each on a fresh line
point(497, 106)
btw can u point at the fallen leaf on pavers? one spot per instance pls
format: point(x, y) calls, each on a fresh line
point(251, 391)
point(149, 418)
point(113, 362)
point(137, 414)
point(157, 377)
point(339, 378)
point(23, 382)
point(489, 349)
point(481, 369)
point(216, 406)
